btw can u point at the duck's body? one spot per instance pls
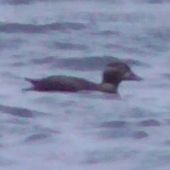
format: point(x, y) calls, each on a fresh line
point(62, 83)
point(113, 74)
point(68, 84)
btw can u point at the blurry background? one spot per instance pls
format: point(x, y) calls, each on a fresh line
point(84, 131)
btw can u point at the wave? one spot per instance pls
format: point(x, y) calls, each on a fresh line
point(20, 112)
point(31, 28)
point(92, 63)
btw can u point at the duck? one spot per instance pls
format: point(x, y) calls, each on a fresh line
point(113, 74)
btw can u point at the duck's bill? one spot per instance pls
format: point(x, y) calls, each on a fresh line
point(132, 76)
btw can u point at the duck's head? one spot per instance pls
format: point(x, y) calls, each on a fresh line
point(118, 71)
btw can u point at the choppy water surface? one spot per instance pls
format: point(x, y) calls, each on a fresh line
point(84, 131)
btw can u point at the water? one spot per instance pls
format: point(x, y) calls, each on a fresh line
point(84, 131)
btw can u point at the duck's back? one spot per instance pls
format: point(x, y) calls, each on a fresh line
point(62, 83)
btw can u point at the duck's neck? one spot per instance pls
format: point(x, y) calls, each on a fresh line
point(112, 82)
point(109, 77)
point(108, 88)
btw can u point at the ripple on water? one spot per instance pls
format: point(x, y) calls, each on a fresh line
point(92, 63)
point(69, 46)
point(89, 63)
point(44, 60)
point(114, 130)
point(86, 63)
point(11, 43)
point(37, 137)
point(114, 134)
point(139, 135)
point(129, 50)
point(123, 129)
point(107, 33)
point(18, 2)
point(115, 124)
point(109, 155)
point(18, 64)
point(20, 112)
point(148, 123)
point(32, 28)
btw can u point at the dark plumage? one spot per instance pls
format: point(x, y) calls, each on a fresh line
point(114, 73)
point(61, 83)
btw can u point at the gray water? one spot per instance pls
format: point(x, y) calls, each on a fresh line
point(84, 131)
